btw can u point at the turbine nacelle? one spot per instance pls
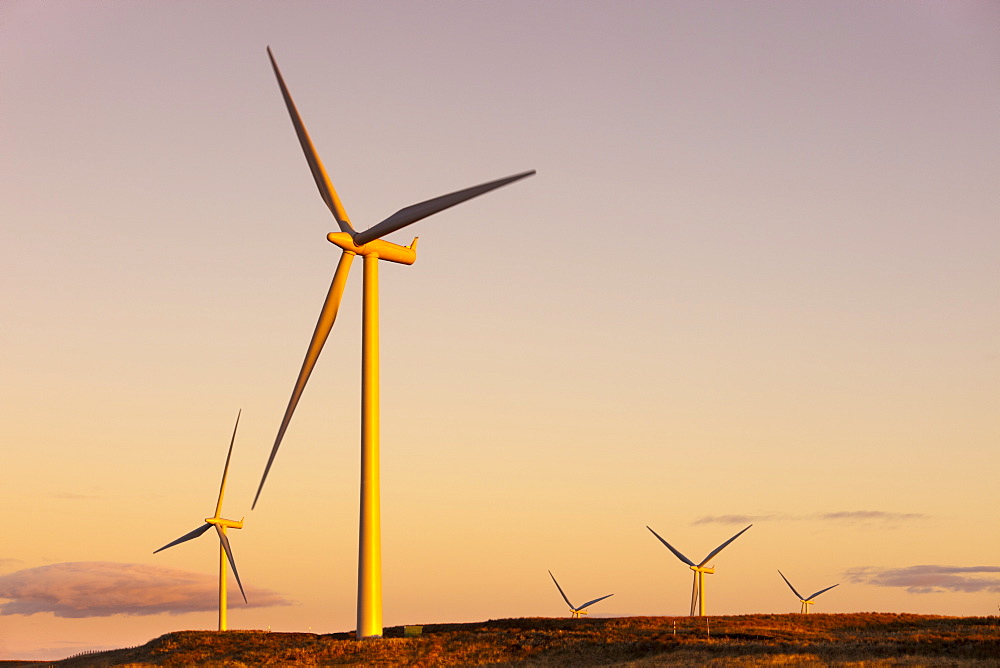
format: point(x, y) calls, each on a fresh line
point(224, 523)
point(703, 569)
point(383, 250)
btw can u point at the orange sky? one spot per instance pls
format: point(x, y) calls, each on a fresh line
point(755, 280)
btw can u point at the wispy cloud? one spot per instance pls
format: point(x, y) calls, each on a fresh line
point(72, 496)
point(101, 589)
point(929, 579)
point(862, 517)
point(870, 516)
point(736, 519)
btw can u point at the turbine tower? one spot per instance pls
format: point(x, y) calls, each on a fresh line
point(577, 611)
point(220, 524)
point(369, 245)
point(698, 588)
point(806, 601)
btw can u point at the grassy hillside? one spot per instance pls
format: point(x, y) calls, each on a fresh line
point(749, 640)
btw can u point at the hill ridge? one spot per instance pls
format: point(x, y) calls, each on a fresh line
point(757, 640)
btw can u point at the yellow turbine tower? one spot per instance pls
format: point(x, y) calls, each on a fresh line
point(698, 588)
point(220, 524)
point(577, 611)
point(807, 601)
point(369, 245)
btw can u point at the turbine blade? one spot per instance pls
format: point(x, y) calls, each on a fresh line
point(327, 316)
point(790, 586)
point(694, 594)
point(326, 190)
point(720, 548)
point(823, 590)
point(672, 549)
point(186, 537)
point(225, 471)
point(415, 212)
point(561, 591)
point(590, 603)
point(229, 555)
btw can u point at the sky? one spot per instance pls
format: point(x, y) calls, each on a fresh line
point(756, 280)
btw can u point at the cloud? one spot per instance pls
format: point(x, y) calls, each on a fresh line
point(929, 579)
point(102, 589)
point(874, 515)
point(72, 496)
point(845, 516)
point(735, 519)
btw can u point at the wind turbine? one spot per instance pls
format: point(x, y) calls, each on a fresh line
point(220, 524)
point(698, 588)
point(806, 601)
point(582, 610)
point(372, 248)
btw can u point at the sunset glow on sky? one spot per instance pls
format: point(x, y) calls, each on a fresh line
point(756, 279)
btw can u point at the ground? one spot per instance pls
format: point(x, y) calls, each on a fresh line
point(863, 639)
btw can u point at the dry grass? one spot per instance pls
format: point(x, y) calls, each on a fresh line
point(856, 640)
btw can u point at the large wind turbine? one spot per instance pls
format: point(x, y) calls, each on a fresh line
point(698, 588)
point(220, 524)
point(372, 248)
point(806, 601)
point(577, 611)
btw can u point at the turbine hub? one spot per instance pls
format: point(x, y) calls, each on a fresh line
point(384, 250)
point(222, 522)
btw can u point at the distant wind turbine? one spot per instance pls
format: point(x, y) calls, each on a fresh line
point(221, 525)
point(577, 611)
point(806, 601)
point(369, 245)
point(698, 588)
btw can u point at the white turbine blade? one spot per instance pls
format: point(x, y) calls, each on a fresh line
point(232, 562)
point(186, 537)
point(327, 316)
point(326, 189)
point(590, 603)
point(791, 587)
point(672, 549)
point(823, 590)
point(415, 212)
point(561, 591)
point(720, 548)
point(225, 470)
point(694, 594)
